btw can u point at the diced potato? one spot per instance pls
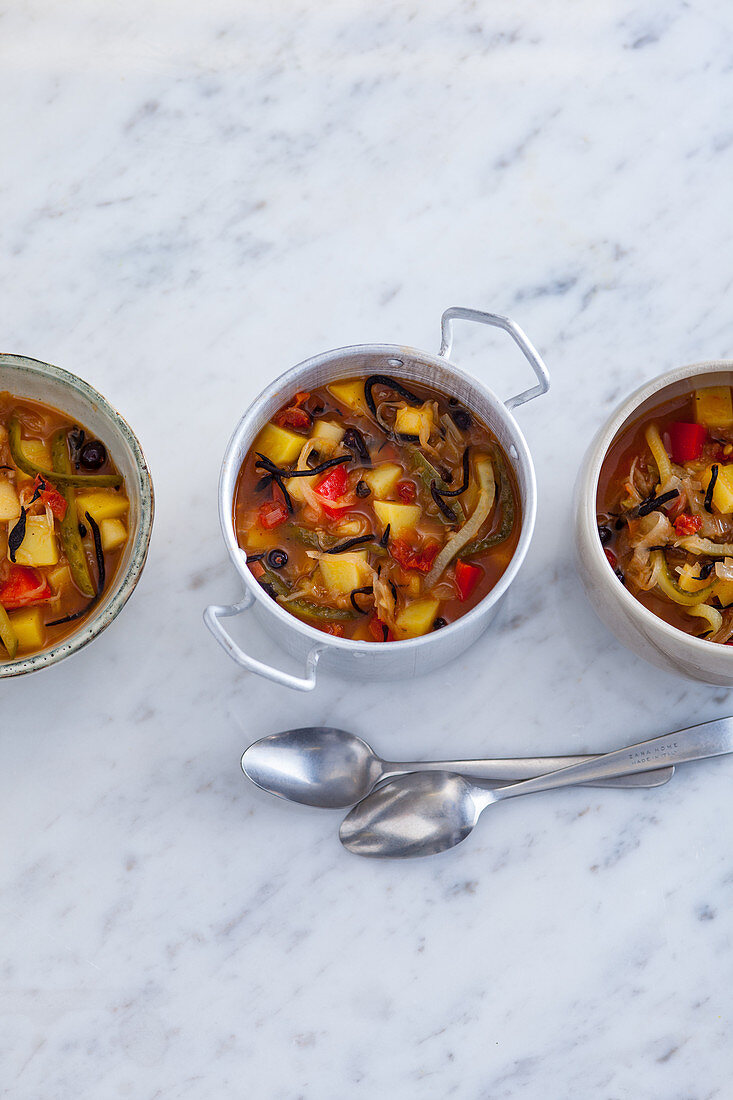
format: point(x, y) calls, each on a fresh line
point(294, 486)
point(28, 626)
point(401, 518)
point(713, 407)
point(9, 503)
point(39, 546)
point(279, 444)
point(416, 619)
point(350, 394)
point(258, 538)
point(328, 430)
point(723, 491)
point(101, 504)
point(350, 528)
point(36, 451)
point(344, 572)
point(410, 421)
point(113, 533)
point(59, 578)
point(383, 478)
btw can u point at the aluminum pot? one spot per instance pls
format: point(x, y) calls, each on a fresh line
point(50, 385)
point(634, 625)
point(371, 660)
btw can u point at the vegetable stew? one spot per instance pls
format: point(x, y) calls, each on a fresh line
point(63, 524)
point(665, 511)
point(376, 509)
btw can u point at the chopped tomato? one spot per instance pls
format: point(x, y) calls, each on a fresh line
point(406, 491)
point(687, 525)
point(23, 587)
point(610, 557)
point(467, 577)
point(409, 558)
point(334, 628)
point(333, 485)
point(298, 419)
point(686, 441)
point(257, 569)
point(50, 495)
point(272, 514)
point(379, 630)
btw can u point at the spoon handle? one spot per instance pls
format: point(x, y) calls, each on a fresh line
point(515, 769)
point(696, 743)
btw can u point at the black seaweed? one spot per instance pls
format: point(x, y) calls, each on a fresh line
point(278, 472)
point(359, 540)
point(449, 514)
point(464, 484)
point(706, 570)
point(354, 440)
point(16, 536)
point(708, 502)
point(98, 553)
point(655, 504)
point(360, 592)
point(461, 419)
point(387, 380)
point(384, 541)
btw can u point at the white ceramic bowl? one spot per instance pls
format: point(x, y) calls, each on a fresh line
point(43, 382)
point(371, 660)
point(633, 624)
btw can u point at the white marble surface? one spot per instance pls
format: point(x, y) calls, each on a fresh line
point(194, 197)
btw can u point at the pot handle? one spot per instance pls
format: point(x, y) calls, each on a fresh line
point(215, 612)
point(528, 350)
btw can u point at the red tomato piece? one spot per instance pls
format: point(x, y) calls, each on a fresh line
point(333, 485)
point(686, 441)
point(379, 631)
point(687, 525)
point(272, 514)
point(24, 586)
point(610, 557)
point(298, 419)
point(467, 577)
point(409, 558)
point(50, 495)
point(406, 491)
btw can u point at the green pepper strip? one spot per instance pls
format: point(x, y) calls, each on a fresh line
point(310, 538)
point(30, 468)
point(304, 608)
point(426, 474)
point(506, 503)
point(7, 635)
point(69, 525)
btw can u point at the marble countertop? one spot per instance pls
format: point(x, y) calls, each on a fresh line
point(194, 198)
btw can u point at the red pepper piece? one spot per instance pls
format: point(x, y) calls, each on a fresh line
point(333, 485)
point(687, 525)
point(409, 558)
point(51, 496)
point(379, 631)
point(24, 586)
point(272, 514)
point(686, 441)
point(467, 577)
point(406, 491)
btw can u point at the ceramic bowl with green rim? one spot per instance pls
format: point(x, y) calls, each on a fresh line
point(50, 385)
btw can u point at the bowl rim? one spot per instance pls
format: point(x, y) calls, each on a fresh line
point(93, 626)
point(286, 383)
point(598, 451)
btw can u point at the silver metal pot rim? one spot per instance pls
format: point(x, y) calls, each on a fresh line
point(125, 583)
point(598, 450)
point(288, 383)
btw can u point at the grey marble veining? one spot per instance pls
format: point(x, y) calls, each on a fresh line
point(194, 198)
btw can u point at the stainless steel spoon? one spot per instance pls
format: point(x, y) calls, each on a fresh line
point(421, 814)
point(333, 769)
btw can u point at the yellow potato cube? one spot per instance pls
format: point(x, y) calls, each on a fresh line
point(36, 451)
point(280, 445)
point(350, 528)
point(59, 578)
point(329, 431)
point(723, 491)
point(9, 503)
point(343, 573)
point(258, 538)
point(28, 626)
point(713, 407)
point(350, 394)
point(113, 533)
point(724, 592)
point(39, 546)
point(410, 421)
point(101, 504)
point(383, 478)
point(401, 518)
point(416, 619)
